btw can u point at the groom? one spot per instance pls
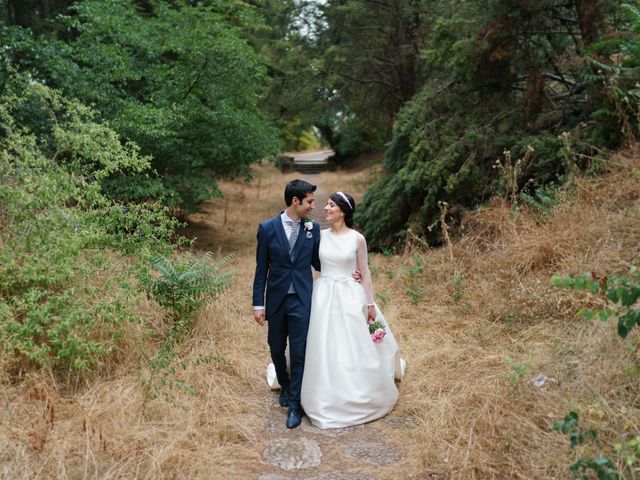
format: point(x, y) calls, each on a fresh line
point(287, 248)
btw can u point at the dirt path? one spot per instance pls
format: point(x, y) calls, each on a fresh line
point(307, 452)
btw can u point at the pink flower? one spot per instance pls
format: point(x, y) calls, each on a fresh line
point(378, 335)
point(376, 330)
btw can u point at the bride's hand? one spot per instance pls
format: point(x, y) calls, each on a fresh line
point(371, 313)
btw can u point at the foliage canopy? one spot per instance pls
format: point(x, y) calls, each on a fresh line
point(179, 81)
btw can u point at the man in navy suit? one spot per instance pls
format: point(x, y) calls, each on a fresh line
point(287, 249)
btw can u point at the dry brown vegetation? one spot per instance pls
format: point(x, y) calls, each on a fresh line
point(475, 323)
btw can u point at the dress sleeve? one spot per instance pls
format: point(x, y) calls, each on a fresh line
point(362, 264)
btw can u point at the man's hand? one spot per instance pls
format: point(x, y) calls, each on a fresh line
point(258, 316)
point(356, 276)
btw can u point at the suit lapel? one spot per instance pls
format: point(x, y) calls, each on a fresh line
point(282, 237)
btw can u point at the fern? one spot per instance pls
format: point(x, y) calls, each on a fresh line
point(633, 14)
point(183, 287)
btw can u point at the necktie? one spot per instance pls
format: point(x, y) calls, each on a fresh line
point(294, 234)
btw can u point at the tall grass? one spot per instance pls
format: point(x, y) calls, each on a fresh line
point(471, 350)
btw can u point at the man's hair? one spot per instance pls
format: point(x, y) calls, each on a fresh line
point(297, 188)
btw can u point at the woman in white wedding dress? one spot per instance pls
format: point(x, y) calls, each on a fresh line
point(348, 379)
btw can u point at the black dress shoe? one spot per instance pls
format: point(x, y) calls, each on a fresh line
point(294, 418)
point(284, 398)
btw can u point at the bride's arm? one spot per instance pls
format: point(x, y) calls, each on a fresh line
point(363, 266)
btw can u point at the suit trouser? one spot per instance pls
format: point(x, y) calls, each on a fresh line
point(291, 319)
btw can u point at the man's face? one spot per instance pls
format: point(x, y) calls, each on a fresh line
point(304, 209)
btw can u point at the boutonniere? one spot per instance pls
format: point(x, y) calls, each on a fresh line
point(308, 224)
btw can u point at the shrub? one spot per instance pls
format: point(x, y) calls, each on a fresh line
point(615, 62)
point(619, 294)
point(66, 295)
point(179, 81)
point(585, 467)
point(183, 287)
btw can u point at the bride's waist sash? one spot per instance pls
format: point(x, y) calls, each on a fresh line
point(337, 277)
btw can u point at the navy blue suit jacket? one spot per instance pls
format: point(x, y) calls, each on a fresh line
point(275, 270)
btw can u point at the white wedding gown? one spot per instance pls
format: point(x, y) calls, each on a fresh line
point(348, 379)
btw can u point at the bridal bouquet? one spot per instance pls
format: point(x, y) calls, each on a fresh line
point(376, 330)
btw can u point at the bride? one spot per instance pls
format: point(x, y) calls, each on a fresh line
point(348, 378)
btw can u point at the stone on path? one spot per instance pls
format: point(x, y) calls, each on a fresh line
point(293, 453)
point(326, 476)
point(341, 476)
point(401, 423)
point(276, 418)
point(307, 427)
point(372, 453)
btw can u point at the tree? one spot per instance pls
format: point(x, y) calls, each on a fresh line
point(343, 66)
point(498, 75)
point(31, 13)
point(180, 81)
point(367, 56)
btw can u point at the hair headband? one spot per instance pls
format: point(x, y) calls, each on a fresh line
point(345, 199)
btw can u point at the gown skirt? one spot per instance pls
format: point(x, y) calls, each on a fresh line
point(348, 379)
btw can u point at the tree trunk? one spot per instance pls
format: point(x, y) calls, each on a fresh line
point(30, 13)
point(406, 53)
point(589, 19)
point(533, 100)
point(19, 12)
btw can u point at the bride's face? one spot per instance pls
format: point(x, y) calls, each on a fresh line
point(332, 212)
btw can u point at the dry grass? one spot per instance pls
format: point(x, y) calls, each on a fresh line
point(480, 418)
point(108, 430)
point(475, 416)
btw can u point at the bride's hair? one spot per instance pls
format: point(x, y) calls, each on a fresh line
point(346, 204)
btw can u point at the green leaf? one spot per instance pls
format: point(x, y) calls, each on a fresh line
point(623, 329)
point(629, 296)
point(587, 313)
point(605, 314)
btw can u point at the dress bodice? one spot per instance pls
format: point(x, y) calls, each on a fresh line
point(338, 253)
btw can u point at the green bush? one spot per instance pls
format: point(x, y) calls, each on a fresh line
point(445, 150)
point(615, 67)
point(68, 251)
point(506, 84)
point(348, 136)
point(439, 152)
point(181, 287)
point(618, 297)
point(178, 80)
point(586, 467)
point(619, 293)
